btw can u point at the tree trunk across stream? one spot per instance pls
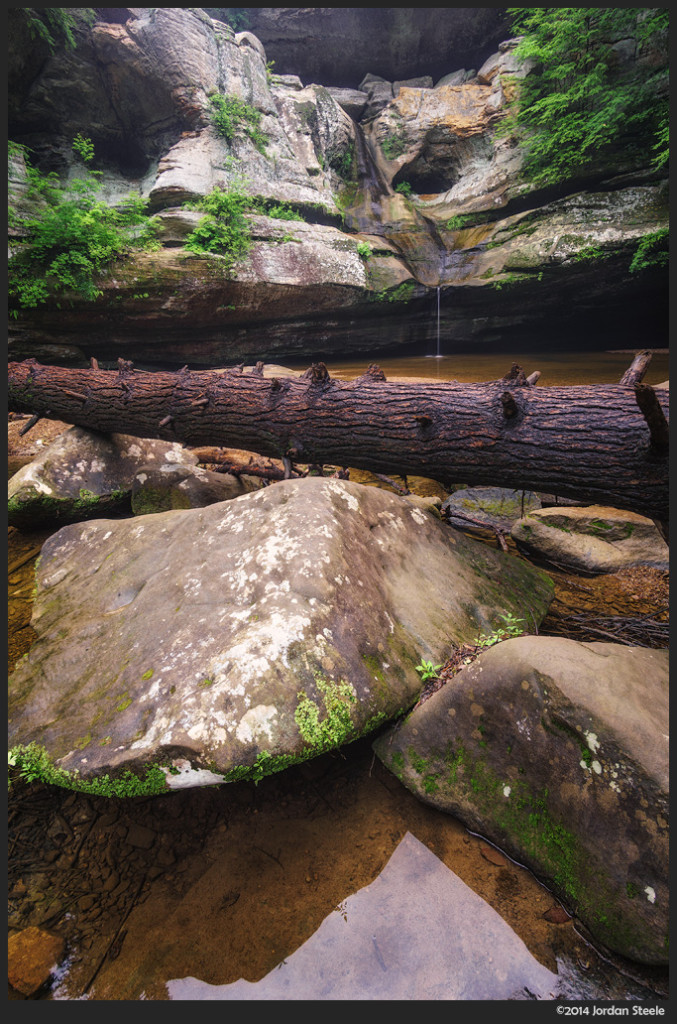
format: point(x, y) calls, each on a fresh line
point(604, 444)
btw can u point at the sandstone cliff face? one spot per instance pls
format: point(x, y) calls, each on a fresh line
point(362, 271)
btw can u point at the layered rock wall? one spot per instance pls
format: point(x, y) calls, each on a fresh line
point(405, 187)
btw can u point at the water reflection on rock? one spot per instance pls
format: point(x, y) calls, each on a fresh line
point(417, 932)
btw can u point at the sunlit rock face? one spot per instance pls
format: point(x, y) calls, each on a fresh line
point(402, 181)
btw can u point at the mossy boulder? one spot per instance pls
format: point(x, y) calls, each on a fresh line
point(557, 752)
point(594, 539)
point(228, 642)
point(493, 508)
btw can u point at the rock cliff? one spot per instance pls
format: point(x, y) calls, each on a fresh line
point(405, 189)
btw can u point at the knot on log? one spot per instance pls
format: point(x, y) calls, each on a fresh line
point(257, 371)
point(317, 373)
point(423, 421)
point(509, 404)
point(516, 375)
point(124, 366)
point(651, 410)
point(373, 372)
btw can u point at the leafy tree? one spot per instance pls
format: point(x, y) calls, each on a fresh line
point(582, 97)
point(72, 236)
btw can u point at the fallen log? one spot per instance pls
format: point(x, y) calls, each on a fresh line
point(601, 444)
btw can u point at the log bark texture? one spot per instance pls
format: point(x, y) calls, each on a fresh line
point(590, 443)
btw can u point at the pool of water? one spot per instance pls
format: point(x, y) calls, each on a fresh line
point(557, 369)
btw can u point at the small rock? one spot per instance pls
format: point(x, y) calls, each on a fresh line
point(491, 854)
point(557, 915)
point(33, 955)
point(140, 836)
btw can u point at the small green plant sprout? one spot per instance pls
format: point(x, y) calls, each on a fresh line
point(364, 250)
point(83, 147)
point(427, 670)
point(510, 628)
point(405, 189)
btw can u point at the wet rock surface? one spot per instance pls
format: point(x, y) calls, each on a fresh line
point(557, 751)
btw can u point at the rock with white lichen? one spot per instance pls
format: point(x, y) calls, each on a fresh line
point(557, 752)
point(83, 474)
point(199, 646)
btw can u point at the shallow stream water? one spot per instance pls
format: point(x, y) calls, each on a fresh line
point(329, 881)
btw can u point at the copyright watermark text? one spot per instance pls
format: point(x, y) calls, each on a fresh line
point(610, 1011)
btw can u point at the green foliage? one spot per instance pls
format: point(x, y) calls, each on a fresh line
point(511, 627)
point(32, 764)
point(225, 229)
point(72, 237)
point(405, 189)
point(652, 251)
point(56, 24)
point(83, 147)
point(468, 220)
point(582, 99)
point(336, 728)
point(276, 210)
point(233, 117)
point(589, 252)
point(237, 17)
point(427, 670)
point(364, 250)
point(394, 144)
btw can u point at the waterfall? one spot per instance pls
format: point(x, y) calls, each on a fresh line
point(438, 354)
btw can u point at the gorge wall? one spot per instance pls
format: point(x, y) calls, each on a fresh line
point(406, 187)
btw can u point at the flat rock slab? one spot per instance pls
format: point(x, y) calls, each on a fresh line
point(557, 752)
point(228, 642)
point(416, 932)
point(594, 539)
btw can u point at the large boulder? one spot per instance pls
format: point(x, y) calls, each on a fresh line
point(594, 539)
point(83, 474)
point(557, 752)
point(228, 642)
